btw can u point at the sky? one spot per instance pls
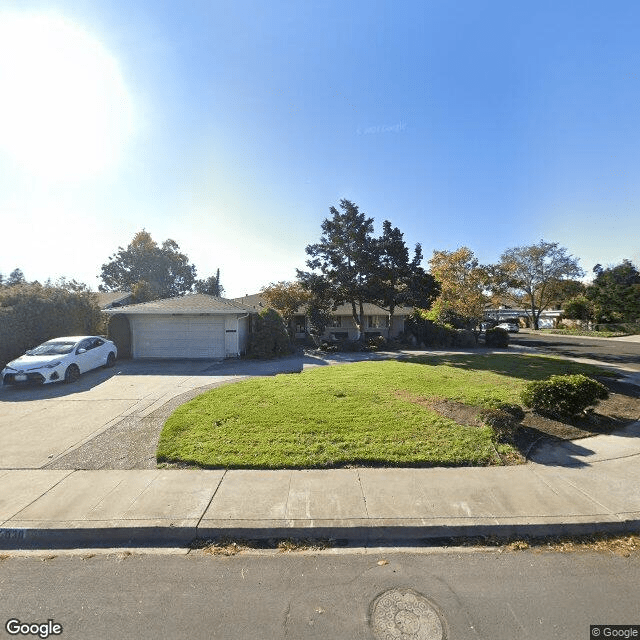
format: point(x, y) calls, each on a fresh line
point(232, 128)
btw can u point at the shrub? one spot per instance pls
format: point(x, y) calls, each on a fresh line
point(496, 337)
point(567, 395)
point(503, 418)
point(502, 422)
point(464, 338)
point(269, 338)
point(376, 342)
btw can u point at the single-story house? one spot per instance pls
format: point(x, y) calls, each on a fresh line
point(191, 326)
point(376, 320)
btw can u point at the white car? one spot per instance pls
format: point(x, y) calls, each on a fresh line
point(511, 327)
point(60, 359)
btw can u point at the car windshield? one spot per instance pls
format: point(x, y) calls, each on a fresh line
point(52, 349)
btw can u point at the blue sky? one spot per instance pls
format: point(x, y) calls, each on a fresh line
point(233, 127)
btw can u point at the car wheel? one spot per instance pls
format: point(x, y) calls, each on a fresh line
point(111, 359)
point(72, 374)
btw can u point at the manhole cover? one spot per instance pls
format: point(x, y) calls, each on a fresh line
point(403, 614)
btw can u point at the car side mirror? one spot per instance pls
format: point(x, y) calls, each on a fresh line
point(81, 350)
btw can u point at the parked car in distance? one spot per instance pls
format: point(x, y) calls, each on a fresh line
point(60, 359)
point(511, 327)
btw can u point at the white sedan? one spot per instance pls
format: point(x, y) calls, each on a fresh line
point(511, 327)
point(60, 359)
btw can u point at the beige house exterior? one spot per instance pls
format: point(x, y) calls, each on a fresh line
point(376, 320)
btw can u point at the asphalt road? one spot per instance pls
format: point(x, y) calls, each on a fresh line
point(608, 350)
point(471, 594)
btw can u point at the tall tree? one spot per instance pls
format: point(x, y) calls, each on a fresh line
point(462, 286)
point(398, 280)
point(211, 285)
point(147, 270)
point(535, 271)
point(15, 277)
point(347, 256)
point(615, 293)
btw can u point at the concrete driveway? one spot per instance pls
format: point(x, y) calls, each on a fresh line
point(41, 424)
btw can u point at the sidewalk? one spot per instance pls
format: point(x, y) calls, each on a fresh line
point(581, 486)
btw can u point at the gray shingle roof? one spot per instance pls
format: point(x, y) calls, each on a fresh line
point(256, 302)
point(191, 303)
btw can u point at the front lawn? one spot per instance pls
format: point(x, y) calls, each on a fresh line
point(585, 332)
point(367, 413)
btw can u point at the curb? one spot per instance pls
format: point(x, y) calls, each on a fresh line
point(356, 536)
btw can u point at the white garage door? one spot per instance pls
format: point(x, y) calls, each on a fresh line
point(179, 337)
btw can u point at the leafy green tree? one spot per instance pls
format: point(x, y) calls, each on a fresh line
point(147, 270)
point(396, 279)
point(565, 290)
point(578, 308)
point(211, 285)
point(615, 293)
point(534, 272)
point(347, 257)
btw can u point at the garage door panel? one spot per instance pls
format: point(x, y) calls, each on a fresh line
point(188, 337)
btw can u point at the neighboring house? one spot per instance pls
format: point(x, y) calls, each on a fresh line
point(376, 320)
point(111, 299)
point(548, 319)
point(191, 326)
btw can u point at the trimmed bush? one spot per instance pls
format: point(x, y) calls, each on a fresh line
point(496, 337)
point(566, 396)
point(269, 338)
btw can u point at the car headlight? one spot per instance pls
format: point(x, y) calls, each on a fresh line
point(53, 365)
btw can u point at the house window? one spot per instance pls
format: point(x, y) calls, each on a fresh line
point(336, 321)
point(377, 322)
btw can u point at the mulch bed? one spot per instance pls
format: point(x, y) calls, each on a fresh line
point(620, 409)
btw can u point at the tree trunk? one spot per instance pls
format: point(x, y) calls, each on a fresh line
point(357, 320)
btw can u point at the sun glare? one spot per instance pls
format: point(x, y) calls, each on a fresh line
point(65, 113)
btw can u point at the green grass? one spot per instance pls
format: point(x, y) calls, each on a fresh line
point(355, 414)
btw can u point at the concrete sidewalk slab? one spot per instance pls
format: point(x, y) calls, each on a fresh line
point(489, 493)
point(611, 484)
point(620, 444)
point(19, 489)
point(49, 509)
point(127, 506)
